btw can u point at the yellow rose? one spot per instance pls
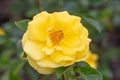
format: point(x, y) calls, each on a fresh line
point(92, 59)
point(2, 31)
point(55, 40)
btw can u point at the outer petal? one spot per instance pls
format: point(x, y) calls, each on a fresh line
point(83, 30)
point(64, 21)
point(59, 57)
point(47, 62)
point(81, 55)
point(92, 59)
point(34, 34)
point(65, 16)
point(42, 70)
point(37, 28)
point(24, 38)
point(34, 50)
point(66, 63)
point(41, 15)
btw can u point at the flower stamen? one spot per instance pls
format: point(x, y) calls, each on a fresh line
point(56, 36)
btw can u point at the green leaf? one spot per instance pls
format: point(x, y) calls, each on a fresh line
point(18, 68)
point(106, 72)
point(87, 73)
point(5, 56)
point(30, 13)
point(83, 64)
point(33, 75)
point(3, 40)
point(94, 23)
point(14, 77)
point(22, 25)
point(60, 71)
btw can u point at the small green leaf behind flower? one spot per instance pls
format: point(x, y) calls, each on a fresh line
point(86, 72)
point(22, 25)
point(94, 23)
point(66, 73)
point(78, 71)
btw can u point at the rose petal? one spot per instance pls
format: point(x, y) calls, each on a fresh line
point(34, 50)
point(24, 38)
point(42, 70)
point(58, 57)
point(46, 62)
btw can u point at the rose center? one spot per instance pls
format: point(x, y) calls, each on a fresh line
point(56, 36)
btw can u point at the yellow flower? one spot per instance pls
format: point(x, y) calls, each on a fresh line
point(92, 59)
point(2, 31)
point(55, 40)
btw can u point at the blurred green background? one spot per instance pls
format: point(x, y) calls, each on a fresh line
point(100, 17)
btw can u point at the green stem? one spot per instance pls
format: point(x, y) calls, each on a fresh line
point(63, 77)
